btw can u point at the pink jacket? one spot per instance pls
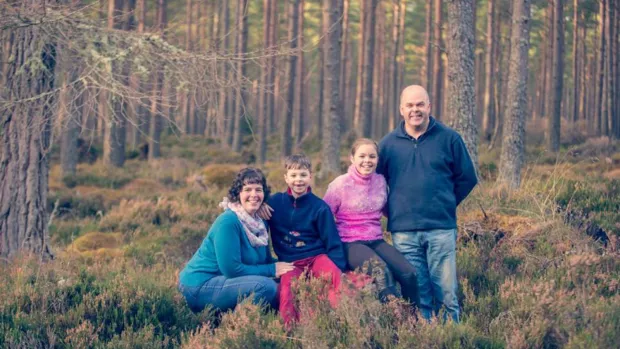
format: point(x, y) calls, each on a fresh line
point(357, 202)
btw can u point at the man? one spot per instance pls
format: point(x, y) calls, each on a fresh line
point(429, 172)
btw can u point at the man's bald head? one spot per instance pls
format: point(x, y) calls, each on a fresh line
point(415, 108)
point(417, 91)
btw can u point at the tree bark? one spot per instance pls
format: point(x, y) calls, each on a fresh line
point(488, 119)
point(263, 103)
point(359, 83)
point(428, 51)
point(293, 8)
point(576, 72)
point(367, 74)
point(331, 138)
point(321, 90)
point(609, 91)
point(437, 83)
point(513, 144)
point(25, 129)
point(550, 50)
point(223, 116)
point(70, 115)
point(461, 89)
point(345, 68)
point(393, 92)
point(300, 90)
point(553, 142)
point(115, 122)
point(156, 124)
point(241, 98)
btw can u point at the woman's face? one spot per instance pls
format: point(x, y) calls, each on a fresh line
point(251, 197)
point(365, 159)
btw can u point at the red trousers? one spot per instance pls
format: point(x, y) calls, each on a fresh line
point(318, 266)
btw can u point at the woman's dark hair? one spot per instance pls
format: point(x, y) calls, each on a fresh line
point(248, 175)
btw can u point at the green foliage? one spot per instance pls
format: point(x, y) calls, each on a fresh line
point(71, 306)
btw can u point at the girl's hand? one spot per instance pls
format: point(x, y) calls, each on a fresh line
point(283, 268)
point(264, 211)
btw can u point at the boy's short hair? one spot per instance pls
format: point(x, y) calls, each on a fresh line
point(297, 162)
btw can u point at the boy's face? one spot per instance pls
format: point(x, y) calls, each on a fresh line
point(298, 181)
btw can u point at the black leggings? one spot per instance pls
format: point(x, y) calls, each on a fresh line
point(391, 264)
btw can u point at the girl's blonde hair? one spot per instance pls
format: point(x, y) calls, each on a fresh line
point(363, 141)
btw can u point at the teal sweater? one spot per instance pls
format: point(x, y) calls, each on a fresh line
point(227, 251)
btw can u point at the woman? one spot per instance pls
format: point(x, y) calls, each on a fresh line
point(357, 199)
point(233, 261)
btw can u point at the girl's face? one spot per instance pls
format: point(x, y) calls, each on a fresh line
point(251, 197)
point(365, 159)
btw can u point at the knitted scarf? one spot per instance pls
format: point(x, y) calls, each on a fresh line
point(254, 227)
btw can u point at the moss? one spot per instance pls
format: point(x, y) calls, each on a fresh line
point(95, 241)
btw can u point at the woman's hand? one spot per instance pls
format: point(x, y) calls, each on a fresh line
point(283, 268)
point(264, 211)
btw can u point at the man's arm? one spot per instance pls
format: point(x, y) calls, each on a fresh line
point(464, 172)
point(331, 239)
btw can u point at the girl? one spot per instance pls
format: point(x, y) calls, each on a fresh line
point(357, 199)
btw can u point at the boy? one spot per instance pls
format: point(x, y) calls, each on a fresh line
point(303, 232)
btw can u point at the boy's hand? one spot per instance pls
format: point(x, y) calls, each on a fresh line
point(283, 268)
point(264, 211)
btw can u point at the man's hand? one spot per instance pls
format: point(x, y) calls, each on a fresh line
point(264, 211)
point(283, 268)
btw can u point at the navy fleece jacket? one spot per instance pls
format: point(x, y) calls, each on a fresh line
point(427, 177)
point(304, 227)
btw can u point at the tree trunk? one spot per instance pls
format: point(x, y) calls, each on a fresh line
point(26, 132)
point(293, 8)
point(393, 92)
point(241, 98)
point(576, 72)
point(488, 119)
point(378, 73)
point(345, 68)
point(553, 142)
point(272, 68)
point(223, 116)
point(155, 126)
point(437, 83)
point(367, 74)
point(70, 115)
point(550, 50)
point(609, 91)
point(428, 52)
point(331, 138)
point(300, 90)
point(321, 90)
point(513, 140)
point(461, 89)
point(359, 83)
point(115, 123)
point(262, 103)
point(583, 63)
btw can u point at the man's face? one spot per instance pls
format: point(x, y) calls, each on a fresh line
point(298, 181)
point(415, 109)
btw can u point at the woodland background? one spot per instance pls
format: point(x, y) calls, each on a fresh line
point(124, 122)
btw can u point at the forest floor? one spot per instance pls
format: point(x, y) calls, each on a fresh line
point(538, 267)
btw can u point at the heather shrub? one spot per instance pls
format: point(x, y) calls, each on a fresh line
point(68, 304)
point(100, 175)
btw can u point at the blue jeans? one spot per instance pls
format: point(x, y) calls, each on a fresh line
point(225, 293)
point(433, 255)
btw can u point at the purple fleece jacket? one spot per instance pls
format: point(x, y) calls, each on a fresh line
point(357, 201)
